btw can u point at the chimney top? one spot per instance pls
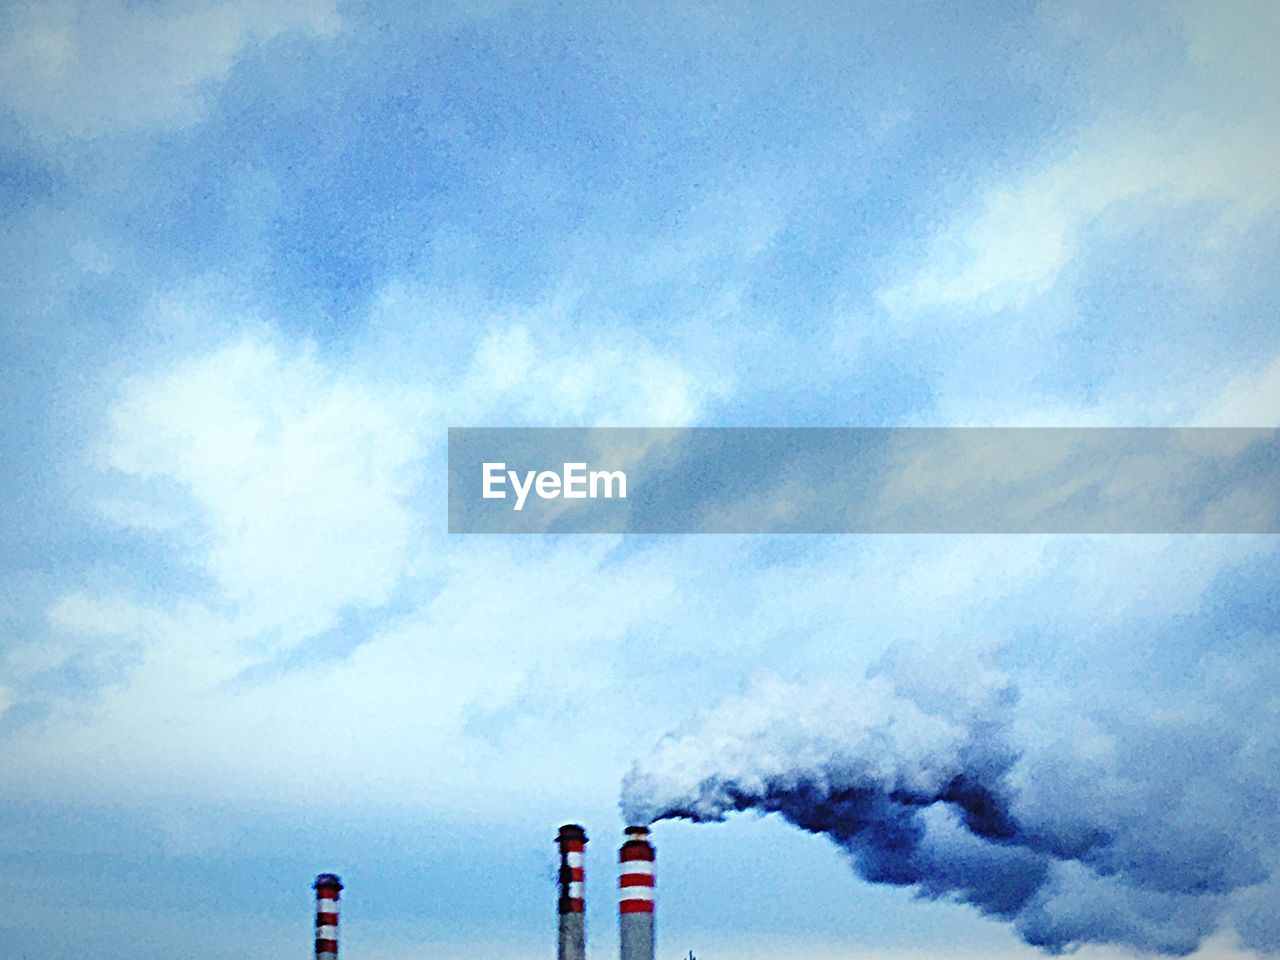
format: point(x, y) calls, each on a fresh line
point(328, 881)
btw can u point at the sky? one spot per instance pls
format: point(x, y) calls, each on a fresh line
point(257, 258)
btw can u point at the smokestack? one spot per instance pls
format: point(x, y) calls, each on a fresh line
point(573, 925)
point(327, 887)
point(635, 895)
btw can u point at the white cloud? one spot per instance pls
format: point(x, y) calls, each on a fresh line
point(1018, 237)
point(1213, 141)
point(82, 69)
point(1250, 399)
point(596, 384)
point(299, 476)
point(301, 485)
point(308, 487)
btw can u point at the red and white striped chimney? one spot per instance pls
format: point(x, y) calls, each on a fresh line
point(573, 926)
point(635, 895)
point(328, 887)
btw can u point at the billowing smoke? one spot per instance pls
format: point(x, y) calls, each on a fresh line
point(1105, 812)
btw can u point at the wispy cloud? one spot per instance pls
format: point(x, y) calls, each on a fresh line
point(1209, 143)
point(75, 69)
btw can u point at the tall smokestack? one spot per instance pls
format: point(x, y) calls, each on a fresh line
point(327, 887)
point(573, 925)
point(635, 895)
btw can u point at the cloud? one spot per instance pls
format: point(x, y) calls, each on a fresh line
point(304, 488)
point(1251, 398)
point(78, 69)
point(1018, 237)
point(302, 485)
point(1210, 143)
point(607, 381)
point(299, 476)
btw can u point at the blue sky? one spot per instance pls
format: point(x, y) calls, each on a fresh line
point(257, 259)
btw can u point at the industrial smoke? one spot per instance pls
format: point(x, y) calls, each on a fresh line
point(1098, 814)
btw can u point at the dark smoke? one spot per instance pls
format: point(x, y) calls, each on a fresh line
point(1076, 827)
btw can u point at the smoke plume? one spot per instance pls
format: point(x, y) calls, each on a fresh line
point(1101, 813)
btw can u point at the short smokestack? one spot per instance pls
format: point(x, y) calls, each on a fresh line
point(327, 886)
point(573, 921)
point(635, 895)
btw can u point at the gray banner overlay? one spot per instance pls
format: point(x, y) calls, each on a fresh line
point(864, 480)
